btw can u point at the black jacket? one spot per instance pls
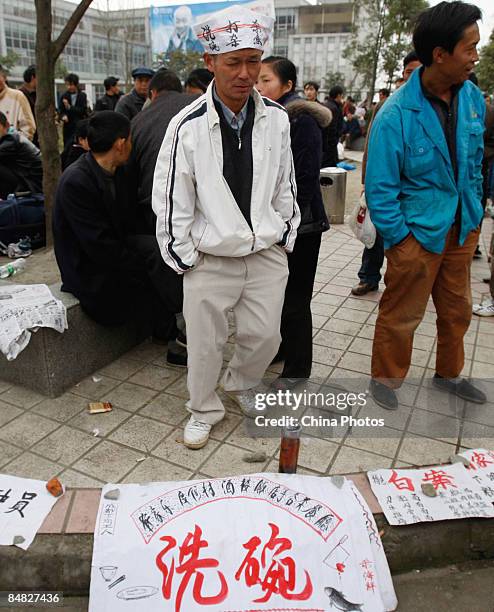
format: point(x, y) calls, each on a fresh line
point(74, 113)
point(107, 102)
point(130, 104)
point(148, 130)
point(24, 159)
point(89, 230)
point(335, 129)
point(307, 120)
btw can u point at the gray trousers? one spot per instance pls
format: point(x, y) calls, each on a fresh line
point(254, 287)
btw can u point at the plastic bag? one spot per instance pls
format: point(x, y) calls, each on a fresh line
point(361, 224)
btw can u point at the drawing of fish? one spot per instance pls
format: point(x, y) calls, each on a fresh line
point(338, 600)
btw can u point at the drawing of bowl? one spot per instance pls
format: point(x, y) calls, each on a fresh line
point(108, 572)
point(139, 592)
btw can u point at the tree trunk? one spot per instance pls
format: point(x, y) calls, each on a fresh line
point(47, 53)
point(45, 109)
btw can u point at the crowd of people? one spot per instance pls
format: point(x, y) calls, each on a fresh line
point(179, 204)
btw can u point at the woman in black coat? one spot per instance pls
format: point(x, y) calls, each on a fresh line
point(277, 81)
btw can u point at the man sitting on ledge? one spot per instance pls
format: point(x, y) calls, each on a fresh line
point(116, 275)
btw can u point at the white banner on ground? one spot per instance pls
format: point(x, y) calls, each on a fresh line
point(24, 505)
point(403, 501)
point(482, 469)
point(245, 543)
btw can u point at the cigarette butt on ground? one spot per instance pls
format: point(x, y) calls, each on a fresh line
point(54, 486)
point(97, 407)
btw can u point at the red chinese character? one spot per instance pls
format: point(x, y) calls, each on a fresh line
point(439, 478)
point(191, 548)
point(401, 483)
point(479, 460)
point(280, 577)
point(365, 564)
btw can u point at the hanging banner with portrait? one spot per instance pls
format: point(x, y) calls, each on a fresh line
point(171, 26)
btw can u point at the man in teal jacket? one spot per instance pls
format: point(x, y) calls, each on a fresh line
point(423, 187)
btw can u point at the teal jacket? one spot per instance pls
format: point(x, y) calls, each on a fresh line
point(409, 183)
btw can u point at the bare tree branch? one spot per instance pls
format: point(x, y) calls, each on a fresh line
point(58, 45)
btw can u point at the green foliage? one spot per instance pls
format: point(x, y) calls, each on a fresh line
point(10, 60)
point(60, 69)
point(381, 38)
point(485, 67)
point(334, 78)
point(181, 63)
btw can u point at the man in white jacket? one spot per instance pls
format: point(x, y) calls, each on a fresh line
point(225, 199)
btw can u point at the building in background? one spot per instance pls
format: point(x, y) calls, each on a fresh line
point(105, 42)
point(314, 37)
point(112, 43)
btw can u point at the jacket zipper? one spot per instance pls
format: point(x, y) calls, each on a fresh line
point(253, 242)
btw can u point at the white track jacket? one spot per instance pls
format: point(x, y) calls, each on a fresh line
point(195, 208)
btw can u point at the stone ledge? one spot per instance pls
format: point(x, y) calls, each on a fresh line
point(52, 362)
point(60, 556)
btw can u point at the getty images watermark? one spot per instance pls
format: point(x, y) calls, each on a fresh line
point(291, 402)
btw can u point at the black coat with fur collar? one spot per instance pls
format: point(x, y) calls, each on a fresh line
point(307, 120)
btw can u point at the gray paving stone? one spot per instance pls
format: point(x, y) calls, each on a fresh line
point(8, 412)
point(157, 470)
point(167, 408)
point(105, 423)
point(423, 451)
point(62, 408)
point(333, 339)
point(95, 387)
point(141, 433)
point(433, 425)
point(27, 429)
point(172, 449)
point(146, 352)
point(8, 452)
point(65, 445)
point(343, 327)
point(155, 377)
point(350, 314)
point(122, 368)
point(130, 396)
point(29, 465)
point(108, 461)
point(4, 386)
point(73, 479)
point(179, 387)
point(326, 355)
point(351, 460)
point(382, 441)
point(359, 304)
point(21, 397)
point(355, 361)
point(241, 437)
point(227, 461)
point(225, 427)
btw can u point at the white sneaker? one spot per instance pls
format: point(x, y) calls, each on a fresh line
point(196, 434)
point(246, 401)
point(484, 310)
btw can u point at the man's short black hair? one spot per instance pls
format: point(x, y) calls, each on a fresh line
point(385, 92)
point(336, 91)
point(29, 73)
point(105, 128)
point(3, 119)
point(200, 78)
point(409, 58)
point(72, 79)
point(165, 80)
point(110, 82)
point(81, 129)
point(312, 84)
point(442, 26)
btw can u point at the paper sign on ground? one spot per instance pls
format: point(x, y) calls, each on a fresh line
point(246, 543)
point(24, 505)
point(482, 469)
point(400, 494)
